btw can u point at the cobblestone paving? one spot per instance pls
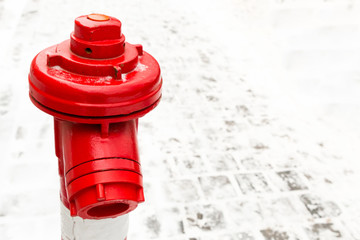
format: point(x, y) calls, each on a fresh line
point(221, 158)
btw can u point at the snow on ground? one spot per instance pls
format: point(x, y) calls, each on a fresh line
point(256, 136)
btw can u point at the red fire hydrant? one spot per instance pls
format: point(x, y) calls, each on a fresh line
point(96, 86)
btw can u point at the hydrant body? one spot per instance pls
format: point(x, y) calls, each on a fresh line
point(96, 86)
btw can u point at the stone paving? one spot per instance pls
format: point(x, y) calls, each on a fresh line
point(229, 154)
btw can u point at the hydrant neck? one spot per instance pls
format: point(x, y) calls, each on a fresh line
point(100, 173)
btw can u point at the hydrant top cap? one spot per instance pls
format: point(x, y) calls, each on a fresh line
point(97, 27)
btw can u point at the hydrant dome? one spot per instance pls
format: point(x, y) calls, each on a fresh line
point(63, 82)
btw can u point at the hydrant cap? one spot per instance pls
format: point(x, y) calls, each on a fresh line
point(95, 75)
point(97, 30)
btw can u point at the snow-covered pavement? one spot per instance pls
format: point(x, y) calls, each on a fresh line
point(257, 134)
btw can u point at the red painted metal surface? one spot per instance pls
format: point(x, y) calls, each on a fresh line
point(96, 86)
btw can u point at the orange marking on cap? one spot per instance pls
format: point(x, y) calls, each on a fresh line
point(98, 17)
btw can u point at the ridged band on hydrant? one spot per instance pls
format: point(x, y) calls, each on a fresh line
point(97, 86)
